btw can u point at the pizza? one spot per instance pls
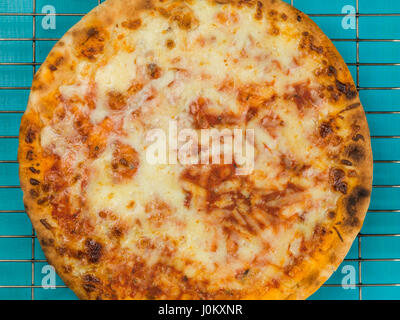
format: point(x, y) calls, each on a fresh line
point(117, 225)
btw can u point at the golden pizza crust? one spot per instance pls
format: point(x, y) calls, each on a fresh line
point(58, 68)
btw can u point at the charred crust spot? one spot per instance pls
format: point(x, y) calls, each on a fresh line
point(33, 170)
point(341, 86)
point(332, 71)
point(338, 233)
point(59, 61)
point(336, 177)
point(30, 136)
point(331, 214)
point(350, 107)
point(352, 221)
point(34, 194)
point(46, 224)
point(90, 282)
point(91, 32)
point(52, 67)
point(325, 129)
point(153, 70)
point(358, 194)
point(355, 152)
point(318, 49)
point(34, 182)
point(93, 250)
point(299, 18)
point(45, 187)
point(47, 242)
point(342, 187)
point(272, 13)
point(346, 162)
point(346, 89)
point(358, 137)
point(42, 201)
point(29, 155)
point(132, 25)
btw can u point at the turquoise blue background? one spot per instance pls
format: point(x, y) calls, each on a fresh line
point(21, 259)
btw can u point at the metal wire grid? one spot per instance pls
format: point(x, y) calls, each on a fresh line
point(360, 236)
point(34, 39)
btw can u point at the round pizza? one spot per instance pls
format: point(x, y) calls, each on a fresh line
point(195, 149)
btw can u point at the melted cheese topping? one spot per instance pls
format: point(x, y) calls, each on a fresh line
point(227, 54)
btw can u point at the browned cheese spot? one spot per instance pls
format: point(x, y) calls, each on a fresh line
point(170, 43)
point(125, 162)
point(259, 11)
point(90, 42)
point(153, 70)
point(116, 101)
point(325, 129)
point(90, 283)
point(132, 24)
point(93, 250)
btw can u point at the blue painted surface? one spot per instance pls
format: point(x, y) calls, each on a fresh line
point(324, 7)
point(384, 52)
point(332, 27)
point(382, 247)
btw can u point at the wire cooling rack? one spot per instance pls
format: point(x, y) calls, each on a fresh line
point(370, 44)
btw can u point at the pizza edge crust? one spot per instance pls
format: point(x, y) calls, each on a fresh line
point(43, 85)
point(305, 282)
point(358, 196)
